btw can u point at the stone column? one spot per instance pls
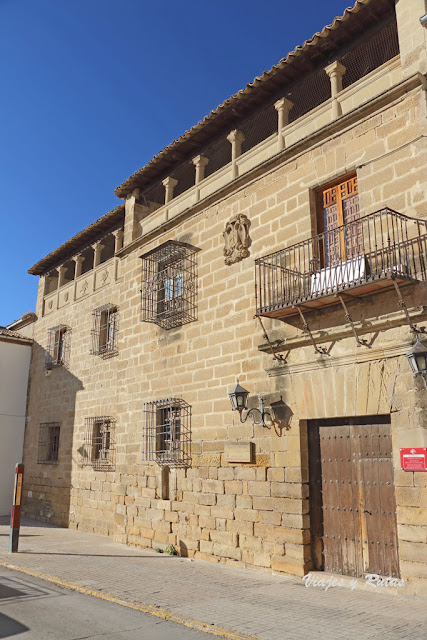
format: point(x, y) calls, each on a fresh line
point(61, 271)
point(118, 240)
point(79, 263)
point(77, 271)
point(118, 244)
point(200, 163)
point(97, 248)
point(130, 227)
point(169, 185)
point(335, 72)
point(282, 106)
point(236, 138)
point(412, 36)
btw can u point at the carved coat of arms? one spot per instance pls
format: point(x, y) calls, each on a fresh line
point(236, 239)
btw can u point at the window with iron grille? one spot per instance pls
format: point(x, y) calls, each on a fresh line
point(48, 443)
point(104, 335)
point(99, 448)
point(169, 285)
point(167, 432)
point(58, 346)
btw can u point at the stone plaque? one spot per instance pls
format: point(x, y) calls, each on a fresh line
point(238, 452)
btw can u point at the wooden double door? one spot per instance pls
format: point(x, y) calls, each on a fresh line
point(352, 501)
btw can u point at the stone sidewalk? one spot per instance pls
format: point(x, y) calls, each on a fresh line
point(227, 601)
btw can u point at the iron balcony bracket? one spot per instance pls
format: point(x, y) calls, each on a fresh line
point(276, 356)
point(402, 305)
point(306, 329)
point(347, 316)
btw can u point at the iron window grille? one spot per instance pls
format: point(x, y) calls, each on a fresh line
point(58, 346)
point(48, 443)
point(169, 285)
point(167, 432)
point(99, 447)
point(104, 335)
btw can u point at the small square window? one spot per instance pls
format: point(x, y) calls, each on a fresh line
point(169, 285)
point(48, 443)
point(167, 432)
point(58, 346)
point(99, 448)
point(104, 335)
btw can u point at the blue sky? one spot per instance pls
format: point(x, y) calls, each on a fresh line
point(92, 89)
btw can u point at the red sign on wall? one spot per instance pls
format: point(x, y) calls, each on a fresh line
point(414, 459)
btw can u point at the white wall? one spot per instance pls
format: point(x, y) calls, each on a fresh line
point(14, 368)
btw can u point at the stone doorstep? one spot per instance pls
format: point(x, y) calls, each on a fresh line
point(348, 582)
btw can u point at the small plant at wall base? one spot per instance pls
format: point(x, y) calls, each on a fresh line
point(170, 549)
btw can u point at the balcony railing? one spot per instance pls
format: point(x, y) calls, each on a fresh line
point(364, 255)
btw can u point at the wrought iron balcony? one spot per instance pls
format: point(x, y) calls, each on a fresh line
point(359, 258)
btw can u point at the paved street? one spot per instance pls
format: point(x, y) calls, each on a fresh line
point(228, 601)
point(38, 610)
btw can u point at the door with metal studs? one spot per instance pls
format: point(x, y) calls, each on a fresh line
point(355, 515)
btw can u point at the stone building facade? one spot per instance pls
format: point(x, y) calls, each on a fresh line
point(316, 170)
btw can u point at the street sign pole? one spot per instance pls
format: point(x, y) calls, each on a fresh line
point(15, 520)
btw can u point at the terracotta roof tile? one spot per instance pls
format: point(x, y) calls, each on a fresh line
point(7, 333)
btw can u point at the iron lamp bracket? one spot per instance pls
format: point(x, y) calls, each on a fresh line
point(255, 413)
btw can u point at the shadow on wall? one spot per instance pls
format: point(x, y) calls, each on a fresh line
point(52, 401)
point(282, 416)
point(183, 550)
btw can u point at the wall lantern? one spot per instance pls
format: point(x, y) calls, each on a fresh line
point(239, 402)
point(417, 358)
